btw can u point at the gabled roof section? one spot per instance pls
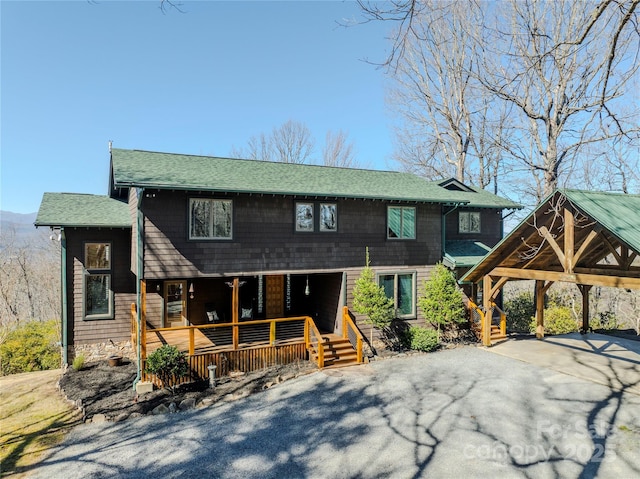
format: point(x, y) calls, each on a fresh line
point(155, 170)
point(454, 185)
point(606, 225)
point(619, 213)
point(80, 210)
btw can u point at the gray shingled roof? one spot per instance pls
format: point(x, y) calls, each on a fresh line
point(73, 209)
point(188, 172)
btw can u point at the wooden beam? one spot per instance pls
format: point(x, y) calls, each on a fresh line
point(583, 247)
point(497, 287)
point(552, 242)
point(569, 240)
point(539, 298)
point(235, 302)
point(584, 289)
point(578, 278)
point(488, 315)
point(613, 250)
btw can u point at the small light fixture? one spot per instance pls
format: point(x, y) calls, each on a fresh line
point(307, 291)
point(191, 290)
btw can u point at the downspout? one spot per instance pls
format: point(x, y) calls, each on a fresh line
point(139, 276)
point(63, 293)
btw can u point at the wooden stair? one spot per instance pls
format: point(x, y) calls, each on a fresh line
point(496, 335)
point(338, 352)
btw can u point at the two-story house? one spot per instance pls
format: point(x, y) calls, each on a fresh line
point(183, 241)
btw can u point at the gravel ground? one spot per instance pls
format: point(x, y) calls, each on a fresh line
point(464, 412)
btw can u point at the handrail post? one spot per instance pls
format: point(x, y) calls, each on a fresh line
point(345, 325)
point(359, 349)
point(192, 340)
point(272, 332)
point(307, 341)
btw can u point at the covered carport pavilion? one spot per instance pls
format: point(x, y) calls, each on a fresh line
point(582, 237)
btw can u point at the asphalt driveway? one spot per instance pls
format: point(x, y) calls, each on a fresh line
point(466, 412)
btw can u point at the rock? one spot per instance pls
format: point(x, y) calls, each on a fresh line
point(173, 408)
point(98, 418)
point(188, 403)
point(121, 417)
point(161, 409)
point(268, 384)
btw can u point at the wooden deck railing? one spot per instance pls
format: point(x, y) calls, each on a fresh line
point(351, 332)
point(477, 318)
point(313, 340)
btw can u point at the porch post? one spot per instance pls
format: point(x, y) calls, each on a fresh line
point(585, 289)
point(235, 302)
point(539, 298)
point(487, 284)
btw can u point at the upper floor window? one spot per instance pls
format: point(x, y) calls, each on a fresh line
point(210, 219)
point(97, 289)
point(328, 217)
point(469, 222)
point(401, 222)
point(306, 218)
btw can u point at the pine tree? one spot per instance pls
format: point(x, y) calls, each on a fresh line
point(370, 299)
point(441, 300)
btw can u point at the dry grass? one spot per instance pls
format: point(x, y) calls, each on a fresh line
point(33, 418)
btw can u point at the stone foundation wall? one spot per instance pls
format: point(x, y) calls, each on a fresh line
point(101, 351)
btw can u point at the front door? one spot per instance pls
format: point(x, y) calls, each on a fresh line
point(274, 286)
point(175, 304)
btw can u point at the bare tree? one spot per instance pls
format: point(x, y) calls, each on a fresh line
point(536, 58)
point(292, 142)
point(451, 127)
point(564, 71)
point(338, 151)
point(29, 279)
point(289, 143)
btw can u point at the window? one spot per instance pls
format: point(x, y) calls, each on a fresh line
point(328, 217)
point(304, 216)
point(401, 222)
point(98, 295)
point(469, 222)
point(209, 219)
point(401, 288)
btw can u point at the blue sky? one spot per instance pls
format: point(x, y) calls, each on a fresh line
point(77, 74)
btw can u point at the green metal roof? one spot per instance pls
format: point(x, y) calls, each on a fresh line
point(616, 212)
point(464, 254)
point(136, 168)
point(619, 213)
point(73, 209)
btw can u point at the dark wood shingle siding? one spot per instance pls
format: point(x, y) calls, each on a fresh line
point(264, 238)
point(83, 331)
point(490, 227)
point(422, 274)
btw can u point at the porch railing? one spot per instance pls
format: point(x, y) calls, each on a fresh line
point(313, 340)
point(351, 332)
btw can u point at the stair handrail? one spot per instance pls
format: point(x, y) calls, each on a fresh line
point(503, 319)
point(313, 339)
point(476, 312)
point(350, 325)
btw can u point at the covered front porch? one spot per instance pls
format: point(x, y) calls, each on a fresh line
point(245, 344)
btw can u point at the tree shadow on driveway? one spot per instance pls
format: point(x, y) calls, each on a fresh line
point(456, 413)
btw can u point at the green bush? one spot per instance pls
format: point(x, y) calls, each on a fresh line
point(519, 310)
point(441, 300)
point(32, 346)
point(421, 339)
point(606, 321)
point(557, 320)
point(78, 362)
point(168, 363)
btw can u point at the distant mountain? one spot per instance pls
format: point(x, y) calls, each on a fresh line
point(18, 226)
